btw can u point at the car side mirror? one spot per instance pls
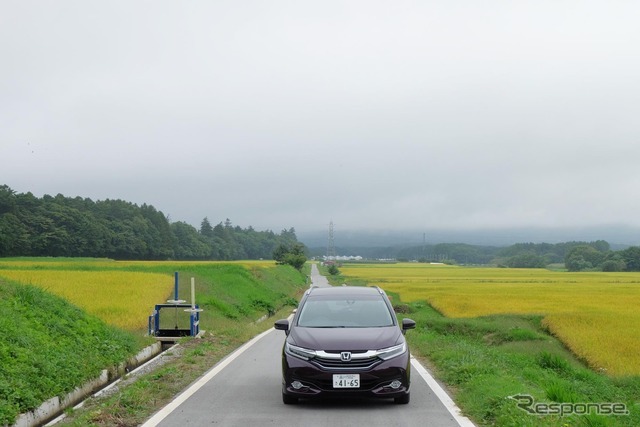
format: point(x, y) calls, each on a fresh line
point(282, 325)
point(408, 324)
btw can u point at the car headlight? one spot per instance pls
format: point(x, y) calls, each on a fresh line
point(391, 352)
point(299, 352)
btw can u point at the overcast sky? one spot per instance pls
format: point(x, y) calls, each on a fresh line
point(373, 114)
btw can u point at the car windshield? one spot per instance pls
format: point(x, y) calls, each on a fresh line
point(345, 313)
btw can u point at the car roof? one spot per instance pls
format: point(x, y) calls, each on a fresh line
point(345, 290)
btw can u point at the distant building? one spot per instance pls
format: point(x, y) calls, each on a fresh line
point(332, 259)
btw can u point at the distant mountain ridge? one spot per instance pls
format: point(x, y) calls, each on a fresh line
point(618, 236)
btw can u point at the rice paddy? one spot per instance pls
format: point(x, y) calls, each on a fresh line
point(596, 315)
point(120, 298)
point(121, 293)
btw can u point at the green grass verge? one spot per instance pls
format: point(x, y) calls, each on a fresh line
point(49, 347)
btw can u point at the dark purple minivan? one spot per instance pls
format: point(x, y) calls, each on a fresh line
point(345, 341)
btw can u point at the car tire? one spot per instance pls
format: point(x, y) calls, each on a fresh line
point(402, 400)
point(289, 400)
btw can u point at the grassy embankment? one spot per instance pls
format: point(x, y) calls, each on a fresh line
point(494, 333)
point(82, 316)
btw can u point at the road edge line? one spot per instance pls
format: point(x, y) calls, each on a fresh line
point(182, 397)
point(441, 394)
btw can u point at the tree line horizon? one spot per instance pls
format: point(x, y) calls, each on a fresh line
point(60, 226)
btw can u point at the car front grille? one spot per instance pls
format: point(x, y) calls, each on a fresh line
point(358, 361)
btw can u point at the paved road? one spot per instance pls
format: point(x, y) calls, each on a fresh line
point(318, 279)
point(245, 390)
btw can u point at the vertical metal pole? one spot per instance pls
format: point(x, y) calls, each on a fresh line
point(175, 288)
point(195, 321)
point(193, 324)
point(193, 293)
point(194, 314)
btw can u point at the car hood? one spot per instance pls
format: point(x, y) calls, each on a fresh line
point(345, 339)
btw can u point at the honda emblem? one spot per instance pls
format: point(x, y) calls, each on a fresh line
point(345, 356)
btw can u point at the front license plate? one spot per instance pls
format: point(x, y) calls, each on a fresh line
point(346, 380)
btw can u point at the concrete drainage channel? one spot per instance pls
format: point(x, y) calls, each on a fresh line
point(55, 406)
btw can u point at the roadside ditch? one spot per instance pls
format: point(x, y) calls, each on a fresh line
point(55, 406)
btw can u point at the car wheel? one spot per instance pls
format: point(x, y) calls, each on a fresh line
point(289, 400)
point(402, 400)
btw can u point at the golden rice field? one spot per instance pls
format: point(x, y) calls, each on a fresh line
point(596, 315)
point(121, 298)
point(103, 287)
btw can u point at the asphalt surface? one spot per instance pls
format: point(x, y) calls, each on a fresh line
point(318, 279)
point(245, 390)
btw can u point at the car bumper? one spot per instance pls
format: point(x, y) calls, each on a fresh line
point(318, 382)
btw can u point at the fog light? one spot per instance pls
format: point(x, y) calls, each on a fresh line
point(395, 385)
point(297, 385)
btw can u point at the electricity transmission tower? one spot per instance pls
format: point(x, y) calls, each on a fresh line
point(331, 249)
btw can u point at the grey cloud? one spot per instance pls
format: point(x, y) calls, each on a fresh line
point(446, 114)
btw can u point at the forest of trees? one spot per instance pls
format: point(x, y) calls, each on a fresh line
point(576, 256)
point(77, 227)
